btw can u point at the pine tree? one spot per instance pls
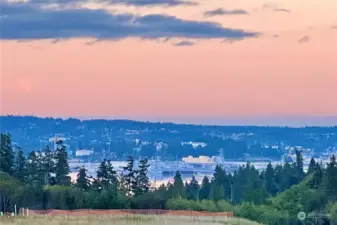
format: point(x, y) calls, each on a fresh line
point(142, 179)
point(34, 171)
point(217, 192)
point(193, 189)
point(220, 178)
point(6, 154)
point(48, 164)
point(20, 166)
point(178, 189)
point(82, 180)
point(270, 180)
point(331, 179)
point(106, 175)
point(61, 165)
point(205, 189)
point(299, 166)
point(129, 176)
point(312, 166)
point(317, 177)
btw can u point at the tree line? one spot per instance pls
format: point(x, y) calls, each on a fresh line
point(275, 195)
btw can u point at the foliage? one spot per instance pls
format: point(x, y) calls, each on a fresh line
point(272, 196)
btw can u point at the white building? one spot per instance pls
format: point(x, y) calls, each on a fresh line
point(195, 144)
point(84, 152)
point(198, 160)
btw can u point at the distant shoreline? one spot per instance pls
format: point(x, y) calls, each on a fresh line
point(239, 121)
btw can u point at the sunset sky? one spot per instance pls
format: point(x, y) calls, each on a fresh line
point(168, 58)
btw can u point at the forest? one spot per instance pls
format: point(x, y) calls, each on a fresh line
point(275, 195)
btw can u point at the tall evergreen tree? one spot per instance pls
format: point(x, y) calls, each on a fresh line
point(106, 175)
point(270, 180)
point(48, 165)
point(20, 166)
point(299, 166)
point(61, 165)
point(220, 178)
point(205, 189)
point(177, 189)
point(331, 179)
point(34, 171)
point(312, 166)
point(217, 192)
point(317, 177)
point(193, 189)
point(142, 179)
point(82, 181)
point(6, 154)
point(129, 176)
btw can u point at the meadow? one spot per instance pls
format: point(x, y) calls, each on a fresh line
point(125, 220)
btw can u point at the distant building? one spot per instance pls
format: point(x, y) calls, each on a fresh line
point(198, 160)
point(55, 139)
point(84, 152)
point(195, 144)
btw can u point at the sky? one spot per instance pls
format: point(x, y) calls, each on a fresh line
point(169, 59)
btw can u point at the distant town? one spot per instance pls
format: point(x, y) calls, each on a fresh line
point(191, 149)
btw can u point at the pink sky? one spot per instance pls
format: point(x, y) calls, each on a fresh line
point(132, 77)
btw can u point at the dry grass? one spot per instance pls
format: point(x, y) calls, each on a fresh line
point(124, 220)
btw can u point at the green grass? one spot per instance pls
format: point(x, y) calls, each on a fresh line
point(124, 220)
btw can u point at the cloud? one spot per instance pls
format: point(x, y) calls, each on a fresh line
point(154, 2)
point(282, 10)
point(27, 21)
point(221, 12)
point(184, 43)
point(275, 8)
point(111, 2)
point(304, 39)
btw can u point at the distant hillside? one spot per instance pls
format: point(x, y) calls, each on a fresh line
point(117, 138)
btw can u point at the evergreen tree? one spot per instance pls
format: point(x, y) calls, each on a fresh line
point(129, 176)
point(220, 178)
point(82, 180)
point(270, 180)
point(178, 188)
point(20, 166)
point(142, 179)
point(299, 166)
point(331, 179)
point(217, 192)
point(6, 154)
point(193, 189)
point(61, 165)
point(34, 171)
point(205, 189)
point(106, 175)
point(317, 177)
point(48, 165)
point(312, 166)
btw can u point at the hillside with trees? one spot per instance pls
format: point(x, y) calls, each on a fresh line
point(274, 196)
point(121, 138)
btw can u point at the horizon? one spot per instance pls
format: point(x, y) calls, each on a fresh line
point(260, 121)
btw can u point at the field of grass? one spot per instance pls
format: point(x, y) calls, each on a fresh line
point(124, 220)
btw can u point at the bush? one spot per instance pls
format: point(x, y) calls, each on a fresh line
point(64, 197)
point(208, 205)
point(149, 200)
point(224, 206)
point(262, 214)
point(183, 204)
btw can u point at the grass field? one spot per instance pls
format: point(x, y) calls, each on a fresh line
point(124, 220)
